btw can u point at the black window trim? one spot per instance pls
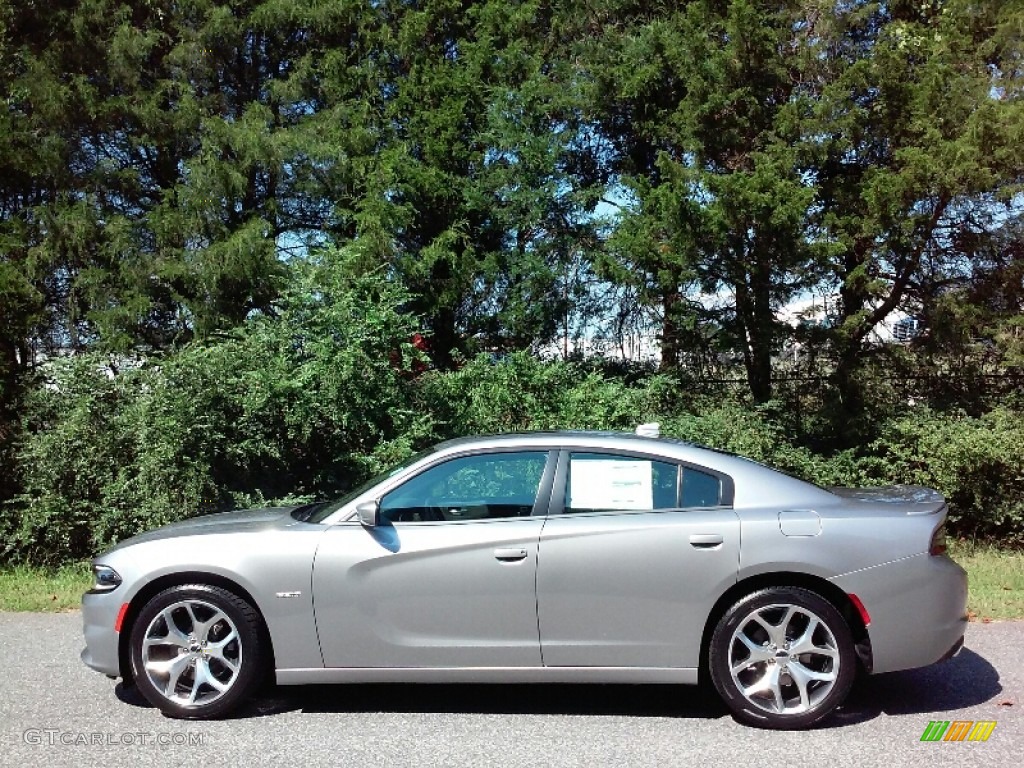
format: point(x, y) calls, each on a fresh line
point(540, 502)
point(556, 506)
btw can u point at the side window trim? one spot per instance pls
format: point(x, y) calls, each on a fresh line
point(556, 505)
point(561, 476)
point(540, 502)
point(679, 484)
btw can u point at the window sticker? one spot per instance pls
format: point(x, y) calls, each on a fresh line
point(610, 484)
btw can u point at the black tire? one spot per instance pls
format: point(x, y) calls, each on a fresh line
point(771, 675)
point(216, 651)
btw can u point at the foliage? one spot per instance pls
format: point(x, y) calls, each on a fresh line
point(764, 149)
point(301, 404)
point(221, 223)
point(520, 392)
point(977, 463)
point(305, 405)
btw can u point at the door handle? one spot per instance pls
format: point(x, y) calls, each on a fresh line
point(510, 554)
point(706, 540)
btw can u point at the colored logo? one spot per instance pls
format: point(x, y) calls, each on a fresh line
point(958, 730)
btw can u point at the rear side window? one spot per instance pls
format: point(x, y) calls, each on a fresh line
point(603, 481)
point(607, 482)
point(700, 489)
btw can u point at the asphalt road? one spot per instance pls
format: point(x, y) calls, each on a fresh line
point(56, 712)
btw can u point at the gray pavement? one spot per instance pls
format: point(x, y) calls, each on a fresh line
point(56, 712)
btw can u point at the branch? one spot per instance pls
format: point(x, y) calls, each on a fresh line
point(903, 276)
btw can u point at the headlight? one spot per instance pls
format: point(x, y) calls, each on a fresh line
point(104, 579)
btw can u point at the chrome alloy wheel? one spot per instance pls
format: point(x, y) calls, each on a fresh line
point(192, 653)
point(784, 659)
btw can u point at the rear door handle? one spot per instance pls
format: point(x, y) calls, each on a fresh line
point(706, 540)
point(510, 554)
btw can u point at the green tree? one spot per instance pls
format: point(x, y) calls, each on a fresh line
point(765, 148)
point(480, 214)
point(702, 107)
point(971, 311)
point(150, 154)
point(916, 134)
point(305, 403)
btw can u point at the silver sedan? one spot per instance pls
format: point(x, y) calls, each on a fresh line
point(543, 557)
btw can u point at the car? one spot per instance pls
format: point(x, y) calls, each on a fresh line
point(559, 557)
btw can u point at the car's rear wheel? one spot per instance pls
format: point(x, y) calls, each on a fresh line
point(196, 651)
point(782, 657)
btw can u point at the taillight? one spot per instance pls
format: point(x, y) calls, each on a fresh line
point(938, 545)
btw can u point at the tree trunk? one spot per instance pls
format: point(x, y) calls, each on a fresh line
point(444, 339)
point(756, 321)
point(671, 344)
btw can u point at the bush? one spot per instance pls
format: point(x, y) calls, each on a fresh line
point(299, 405)
point(977, 463)
point(519, 392)
point(308, 402)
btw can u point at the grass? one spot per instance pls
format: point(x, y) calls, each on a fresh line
point(996, 583)
point(995, 580)
point(25, 588)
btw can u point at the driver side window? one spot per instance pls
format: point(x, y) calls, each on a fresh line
point(479, 487)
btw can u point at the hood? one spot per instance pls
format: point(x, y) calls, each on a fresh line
point(237, 521)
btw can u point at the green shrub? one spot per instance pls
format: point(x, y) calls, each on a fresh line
point(520, 392)
point(299, 405)
point(308, 402)
point(977, 463)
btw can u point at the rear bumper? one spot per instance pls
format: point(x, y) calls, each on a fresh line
point(957, 646)
point(918, 610)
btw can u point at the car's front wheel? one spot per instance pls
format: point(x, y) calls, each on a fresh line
point(196, 651)
point(782, 657)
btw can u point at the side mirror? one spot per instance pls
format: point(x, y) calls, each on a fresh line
point(369, 513)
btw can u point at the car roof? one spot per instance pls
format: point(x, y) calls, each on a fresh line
point(559, 434)
point(669, 447)
point(608, 438)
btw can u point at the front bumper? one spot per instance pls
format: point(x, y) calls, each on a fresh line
point(99, 616)
point(918, 610)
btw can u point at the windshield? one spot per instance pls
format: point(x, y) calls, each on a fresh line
point(317, 513)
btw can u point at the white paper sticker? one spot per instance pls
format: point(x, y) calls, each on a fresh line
point(610, 484)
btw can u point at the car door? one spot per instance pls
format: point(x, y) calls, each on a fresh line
point(449, 576)
point(629, 567)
